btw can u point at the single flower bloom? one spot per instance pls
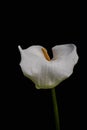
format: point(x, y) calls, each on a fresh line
point(45, 72)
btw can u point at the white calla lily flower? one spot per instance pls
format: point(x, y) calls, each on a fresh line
point(45, 72)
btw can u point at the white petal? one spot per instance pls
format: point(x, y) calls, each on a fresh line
point(35, 50)
point(66, 57)
point(61, 51)
point(48, 74)
point(33, 65)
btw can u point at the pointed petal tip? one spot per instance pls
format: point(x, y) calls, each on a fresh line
point(19, 47)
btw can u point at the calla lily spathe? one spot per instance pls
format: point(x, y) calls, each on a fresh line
point(48, 73)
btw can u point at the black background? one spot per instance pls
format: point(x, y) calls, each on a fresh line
point(24, 24)
point(32, 108)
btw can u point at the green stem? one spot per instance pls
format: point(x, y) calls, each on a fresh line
point(56, 114)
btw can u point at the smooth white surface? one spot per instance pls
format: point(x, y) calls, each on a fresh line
point(48, 74)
